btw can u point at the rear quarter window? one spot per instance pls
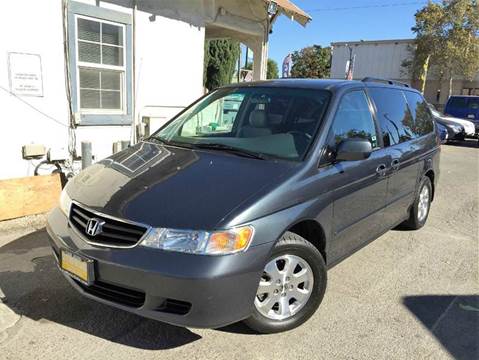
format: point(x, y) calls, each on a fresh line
point(422, 117)
point(395, 119)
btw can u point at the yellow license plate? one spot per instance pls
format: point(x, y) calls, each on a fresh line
point(77, 266)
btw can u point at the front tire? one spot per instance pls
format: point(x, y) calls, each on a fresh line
point(291, 288)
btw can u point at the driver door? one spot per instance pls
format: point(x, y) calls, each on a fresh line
point(360, 187)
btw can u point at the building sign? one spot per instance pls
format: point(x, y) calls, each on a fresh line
point(25, 74)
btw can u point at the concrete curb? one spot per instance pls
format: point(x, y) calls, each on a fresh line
point(8, 319)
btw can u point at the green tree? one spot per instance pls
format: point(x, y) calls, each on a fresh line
point(272, 70)
point(446, 39)
point(221, 57)
point(428, 29)
point(311, 62)
point(460, 48)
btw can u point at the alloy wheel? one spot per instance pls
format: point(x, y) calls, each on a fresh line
point(423, 204)
point(285, 287)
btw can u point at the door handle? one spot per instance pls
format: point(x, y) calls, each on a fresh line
point(381, 170)
point(395, 164)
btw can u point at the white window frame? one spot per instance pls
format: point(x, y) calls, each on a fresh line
point(87, 65)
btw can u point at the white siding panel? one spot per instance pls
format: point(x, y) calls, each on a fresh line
point(169, 59)
point(380, 59)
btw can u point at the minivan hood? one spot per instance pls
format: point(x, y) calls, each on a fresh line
point(173, 187)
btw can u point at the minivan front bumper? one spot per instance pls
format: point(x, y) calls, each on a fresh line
point(176, 288)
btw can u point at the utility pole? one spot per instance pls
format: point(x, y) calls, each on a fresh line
point(349, 72)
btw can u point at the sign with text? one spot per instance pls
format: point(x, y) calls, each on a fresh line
point(25, 73)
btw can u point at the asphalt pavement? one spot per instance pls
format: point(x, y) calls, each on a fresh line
point(407, 295)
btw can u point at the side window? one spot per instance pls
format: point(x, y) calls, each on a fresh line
point(100, 64)
point(353, 119)
point(473, 104)
point(423, 121)
point(457, 102)
point(394, 116)
point(217, 117)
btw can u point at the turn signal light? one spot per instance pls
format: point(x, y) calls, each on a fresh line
point(229, 241)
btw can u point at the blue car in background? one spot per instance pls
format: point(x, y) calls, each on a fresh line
point(464, 107)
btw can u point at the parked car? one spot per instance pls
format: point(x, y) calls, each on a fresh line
point(442, 132)
point(455, 131)
point(464, 107)
point(201, 228)
point(469, 126)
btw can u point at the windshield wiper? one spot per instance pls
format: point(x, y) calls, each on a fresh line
point(231, 149)
point(169, 142)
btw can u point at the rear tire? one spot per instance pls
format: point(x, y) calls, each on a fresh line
point(422, 204)
point(302, 262)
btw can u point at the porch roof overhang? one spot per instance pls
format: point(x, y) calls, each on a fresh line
point(234, 13)
point(247, 21)
point(292, 11)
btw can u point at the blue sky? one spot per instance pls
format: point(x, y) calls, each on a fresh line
point(373, 23)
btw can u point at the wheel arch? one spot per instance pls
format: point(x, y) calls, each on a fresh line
point(312, 231)
point(430, 174)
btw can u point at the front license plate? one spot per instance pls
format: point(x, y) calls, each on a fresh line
point(77, 266)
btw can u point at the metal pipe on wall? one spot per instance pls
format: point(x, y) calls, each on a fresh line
point(86, 154)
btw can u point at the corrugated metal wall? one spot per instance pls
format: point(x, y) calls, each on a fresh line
point(376, 59)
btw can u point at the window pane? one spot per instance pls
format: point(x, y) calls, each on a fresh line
point(393, 115)
point(474, 104)
point(353, 120)
point(89, 78)
point(112, 34)
point(457, 102)
point(89, 52)
point(110, 100)
point(88, 30)
point(112, 55)
point(110, 80)
point(423, 123)
point(89, 99)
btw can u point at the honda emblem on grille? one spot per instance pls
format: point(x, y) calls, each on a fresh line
point(94, 226)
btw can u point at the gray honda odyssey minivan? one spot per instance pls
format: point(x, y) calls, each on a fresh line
point(235, 209)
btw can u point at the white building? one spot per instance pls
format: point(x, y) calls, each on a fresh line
point(384, 59)
point(100, 71)
point(380, 59)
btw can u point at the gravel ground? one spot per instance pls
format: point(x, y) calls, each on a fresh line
point(408, 295)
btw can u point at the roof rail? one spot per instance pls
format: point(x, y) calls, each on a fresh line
point(384, 81)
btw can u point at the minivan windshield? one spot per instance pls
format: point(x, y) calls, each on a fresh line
point(260, 122)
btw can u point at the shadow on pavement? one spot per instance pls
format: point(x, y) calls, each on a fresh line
point(453, 320)
point(35, 288)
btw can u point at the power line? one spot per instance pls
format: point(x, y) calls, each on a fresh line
point(33, 107)
point(398, 4)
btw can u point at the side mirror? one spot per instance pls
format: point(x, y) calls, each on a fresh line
point(353, 149)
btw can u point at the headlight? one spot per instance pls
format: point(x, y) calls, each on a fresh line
point(457, 128)
point(200, 242)
point(65, 203)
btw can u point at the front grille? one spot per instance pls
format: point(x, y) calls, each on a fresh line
point(113, 293)
point(114, 232)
